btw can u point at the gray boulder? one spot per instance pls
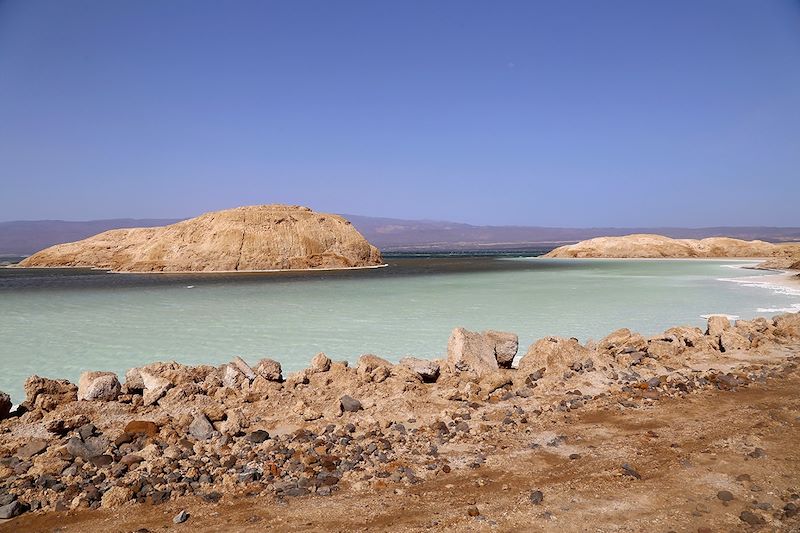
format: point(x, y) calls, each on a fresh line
point(201, 428)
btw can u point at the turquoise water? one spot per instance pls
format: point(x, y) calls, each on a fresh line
point(60, 323)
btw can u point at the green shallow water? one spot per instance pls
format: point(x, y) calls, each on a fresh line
point(60, 323)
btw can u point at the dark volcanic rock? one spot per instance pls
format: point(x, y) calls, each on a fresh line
point(34, 447)
point(5, 405)
point(350, 404)
point(536, 497)
point(258, 436)
point(13, 509)
point(752, 518)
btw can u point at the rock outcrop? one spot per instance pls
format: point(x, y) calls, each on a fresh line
point(265, 237)
point(658, 246)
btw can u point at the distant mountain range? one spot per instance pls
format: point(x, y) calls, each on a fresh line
point(24, 237)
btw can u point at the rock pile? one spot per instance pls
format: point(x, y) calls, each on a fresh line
point(170, 430)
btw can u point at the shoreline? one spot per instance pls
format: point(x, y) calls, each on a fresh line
point(196, 435)
point(184, 272)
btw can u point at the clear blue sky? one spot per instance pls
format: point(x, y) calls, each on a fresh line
point(572, 113)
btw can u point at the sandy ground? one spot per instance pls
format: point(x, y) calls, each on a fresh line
point(685, 450)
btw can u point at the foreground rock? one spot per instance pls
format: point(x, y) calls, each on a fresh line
point(266, 237)
point(214, 434)
point(658, 246)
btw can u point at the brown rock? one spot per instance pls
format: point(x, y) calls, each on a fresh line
point(269, 370)
point(103, 386)
point(320, 363)
point(141, 427)
point(622, 341)
point(428, 371)
point(505, 345)
point(555, 354)
point(470, 352)
point(717, 324)
point(264, 237)
point(47, 394)
point(731, 340)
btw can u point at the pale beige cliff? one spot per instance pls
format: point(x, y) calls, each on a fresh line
point(658, 246)
point(264, 237)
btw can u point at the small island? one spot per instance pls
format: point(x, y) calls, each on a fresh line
point(252, 238)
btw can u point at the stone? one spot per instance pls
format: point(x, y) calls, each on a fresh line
point(258, 436)
point(5, 405)
point(369, 363)
point(787, 325)
point(12, 510)
point(536, 497)
point(555, 354)
point(349, 404)
point(242, 366)
point(116, 496)
point(269, 370)
point(725, 496)
point(730, 340)
point(181, 517)
point(154, 387)
point(751, 518)
point(102, 386)
point(320, 363)
point(717, 324)
point(663, 348)
point(262, 237)
point(201, 428)
point(505, 345)
point(473, 511)
point(88, 449)
point(628, 470)
point(470, 352)
point(141, 427)
point(34, 447)
point(428, 371)
point(622, 341)
point(47, 394)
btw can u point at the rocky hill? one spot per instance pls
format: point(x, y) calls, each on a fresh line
point(265, 237)
point(658, 246)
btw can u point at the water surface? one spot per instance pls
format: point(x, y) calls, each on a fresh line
point(58, 323)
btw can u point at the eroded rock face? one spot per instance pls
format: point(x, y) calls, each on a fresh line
point(471, 352)
point(103, 386)
point(717, 324)
point(428, 371)
point(658, 246)
point(47, 394)
point(555, 355)
point(506, 346)
point(269, 370)
point(622, 341)
point(264, 237)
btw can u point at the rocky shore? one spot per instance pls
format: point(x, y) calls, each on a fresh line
point(166, 433)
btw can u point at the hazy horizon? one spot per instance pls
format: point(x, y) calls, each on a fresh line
point(613, 114)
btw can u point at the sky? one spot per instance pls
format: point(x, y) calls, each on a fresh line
point(571, 113)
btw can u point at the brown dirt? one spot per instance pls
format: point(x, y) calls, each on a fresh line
point(686, 450)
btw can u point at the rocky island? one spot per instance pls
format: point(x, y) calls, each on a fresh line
point(658, 246)
point(253, 238)
point(691, 429)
